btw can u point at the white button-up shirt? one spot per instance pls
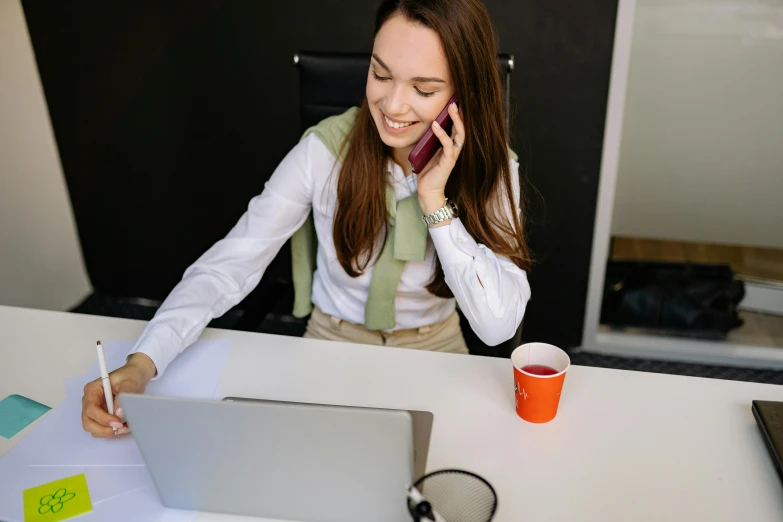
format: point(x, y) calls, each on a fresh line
point(491, 291)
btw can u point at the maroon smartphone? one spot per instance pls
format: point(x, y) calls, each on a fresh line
point(429, 144)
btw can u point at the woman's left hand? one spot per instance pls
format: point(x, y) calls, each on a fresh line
point(432, 180)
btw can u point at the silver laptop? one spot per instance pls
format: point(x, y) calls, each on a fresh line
point(422, 429)
point(293, 461)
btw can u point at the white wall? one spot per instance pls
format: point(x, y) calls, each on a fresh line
point(40, 259)
point(702, 146)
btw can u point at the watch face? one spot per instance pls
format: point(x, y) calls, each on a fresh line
point(454, 208)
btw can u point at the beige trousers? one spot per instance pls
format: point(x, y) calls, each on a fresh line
point(445, 336)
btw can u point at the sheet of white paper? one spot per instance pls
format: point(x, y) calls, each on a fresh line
point(58, 447)
point(67, 444)
point(136, 505)
point(194, 374)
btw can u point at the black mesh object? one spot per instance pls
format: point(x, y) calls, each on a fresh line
point(457, 496)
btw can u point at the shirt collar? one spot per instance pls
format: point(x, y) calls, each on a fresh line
point(398, 178)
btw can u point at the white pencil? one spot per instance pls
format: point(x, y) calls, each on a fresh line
point(105, 379)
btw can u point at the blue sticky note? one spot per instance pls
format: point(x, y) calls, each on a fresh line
point(16, 412)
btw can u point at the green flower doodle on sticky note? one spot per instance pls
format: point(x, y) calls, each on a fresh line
point(54, 503)
point(58, 500)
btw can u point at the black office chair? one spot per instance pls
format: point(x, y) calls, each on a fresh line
point(329, 84)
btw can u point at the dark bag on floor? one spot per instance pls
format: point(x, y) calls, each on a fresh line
point(685, 299)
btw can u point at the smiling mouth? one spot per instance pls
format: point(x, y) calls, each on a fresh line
point(395, 124)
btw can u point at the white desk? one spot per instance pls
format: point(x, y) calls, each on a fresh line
point(625, 446)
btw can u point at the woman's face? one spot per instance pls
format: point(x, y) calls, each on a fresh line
point(408, 83)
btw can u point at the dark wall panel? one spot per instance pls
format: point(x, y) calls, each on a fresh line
point(169, 116)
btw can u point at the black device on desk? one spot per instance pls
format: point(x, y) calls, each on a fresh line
point(769, 416)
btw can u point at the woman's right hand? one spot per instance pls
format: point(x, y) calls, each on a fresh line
point(133, 377)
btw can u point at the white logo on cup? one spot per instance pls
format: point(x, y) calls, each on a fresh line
point(518, 391)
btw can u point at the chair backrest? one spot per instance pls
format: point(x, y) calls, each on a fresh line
point(330, 83)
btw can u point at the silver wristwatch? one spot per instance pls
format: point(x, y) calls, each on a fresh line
point(444, 213)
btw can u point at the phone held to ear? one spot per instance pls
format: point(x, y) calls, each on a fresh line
point(429, 144)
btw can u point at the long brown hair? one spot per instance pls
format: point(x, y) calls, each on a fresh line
point(480, 183)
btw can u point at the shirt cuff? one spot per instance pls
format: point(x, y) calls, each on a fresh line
point(453, 243)
point(160, 344)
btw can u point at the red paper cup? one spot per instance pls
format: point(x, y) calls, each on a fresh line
point(539, 372)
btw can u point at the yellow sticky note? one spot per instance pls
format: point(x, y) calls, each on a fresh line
point(58, 500)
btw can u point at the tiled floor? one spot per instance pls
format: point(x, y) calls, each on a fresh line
point(693, 370)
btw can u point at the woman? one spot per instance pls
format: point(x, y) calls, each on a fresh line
point(382, 276)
